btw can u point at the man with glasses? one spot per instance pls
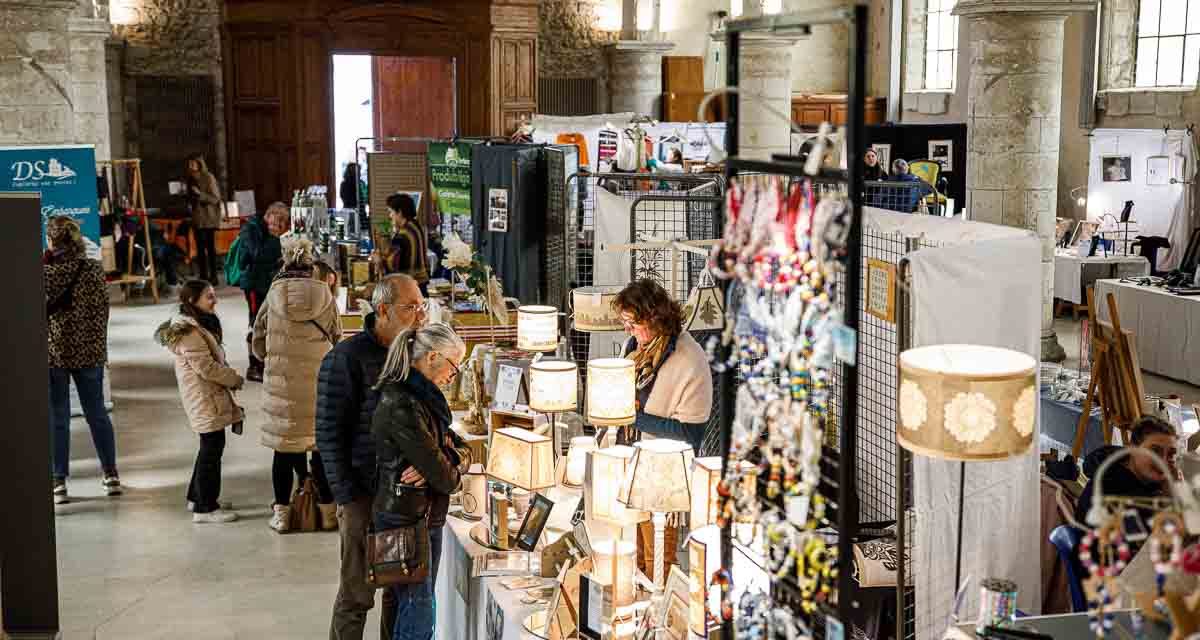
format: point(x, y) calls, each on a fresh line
point(345, 405)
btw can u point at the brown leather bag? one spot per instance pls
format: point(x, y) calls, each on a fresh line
point(306, 515)
point(398, 556)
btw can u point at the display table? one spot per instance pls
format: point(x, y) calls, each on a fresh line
point(1061, 419)
point(1075, 625)
point(1166, 327)
point(1073, 275)
point(462, 599)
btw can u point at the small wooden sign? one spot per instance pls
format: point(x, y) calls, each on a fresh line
point(881, 289)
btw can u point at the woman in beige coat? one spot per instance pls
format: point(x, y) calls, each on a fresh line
point(296, 326)
point(204, 196)
point(206, 385)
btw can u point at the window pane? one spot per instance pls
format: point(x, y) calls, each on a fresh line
point(1148, 20)
point(1147, 62)
point(1174, 16)
point(932, 25)
point(948, 5)
point(1191, 60)
point(931, 70)
point(1170, 61)
point(1193, 22)
point(933, 6)
point(947, 30)
point(945, 70)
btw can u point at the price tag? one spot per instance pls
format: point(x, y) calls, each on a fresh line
point(508, 386)
point(845, 342)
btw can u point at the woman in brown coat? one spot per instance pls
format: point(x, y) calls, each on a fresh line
point(206, 386)
point(296, 326)
point(204, 196)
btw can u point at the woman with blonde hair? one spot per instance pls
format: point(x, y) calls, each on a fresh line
point(77, 318)
point(204, 196)
point(259, 254)
point(297, 325)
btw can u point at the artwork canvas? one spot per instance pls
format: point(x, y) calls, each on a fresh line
point(943, 152)
point(535, 521)
point(1116, 168)
point(881, 289)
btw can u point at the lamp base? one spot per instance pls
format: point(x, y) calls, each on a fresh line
point(659, 520)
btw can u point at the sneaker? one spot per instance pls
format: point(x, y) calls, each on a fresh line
point(281, 520)
point(221, 504)
point(112, 485)
point(219, 516)
point(60, 492)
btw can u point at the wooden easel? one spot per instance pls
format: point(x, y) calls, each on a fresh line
point(137, 207)
point(1116, 384)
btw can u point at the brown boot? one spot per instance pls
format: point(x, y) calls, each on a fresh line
point(328, 516)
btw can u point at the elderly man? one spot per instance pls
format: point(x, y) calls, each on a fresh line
point(345, 405)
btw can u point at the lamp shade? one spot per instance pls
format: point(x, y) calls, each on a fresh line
point(706, 474)
point(521, 458)
point(553, 386)
point(593, 309)
point(577, 459)
point(967, 402)
point(614, 564)
point(606, 471)
point(537, 328)
point(659, 477)
point(474, 497)
point(610, 392)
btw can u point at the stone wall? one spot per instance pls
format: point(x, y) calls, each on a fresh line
point(569, 45)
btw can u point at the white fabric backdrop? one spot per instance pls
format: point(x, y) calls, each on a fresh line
point(983, 287)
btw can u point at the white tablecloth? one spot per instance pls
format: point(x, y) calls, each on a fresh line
point(1073, 275)
point(1166, 327)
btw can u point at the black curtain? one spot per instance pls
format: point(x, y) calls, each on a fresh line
point(515, 254)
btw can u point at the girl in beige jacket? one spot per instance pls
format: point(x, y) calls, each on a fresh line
point(297, 325)
point(206, 386)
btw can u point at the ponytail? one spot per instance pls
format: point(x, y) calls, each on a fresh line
point(412, 345)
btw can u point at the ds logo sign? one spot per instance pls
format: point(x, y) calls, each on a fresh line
point(26, 170)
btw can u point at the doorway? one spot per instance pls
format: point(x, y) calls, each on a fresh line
point(389, 97)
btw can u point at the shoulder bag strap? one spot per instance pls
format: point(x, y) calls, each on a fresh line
point(325, 333)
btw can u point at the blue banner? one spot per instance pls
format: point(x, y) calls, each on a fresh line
point(65, 176)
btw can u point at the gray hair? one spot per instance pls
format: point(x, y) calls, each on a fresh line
point(414, 344)
point(298, 252)
point(385, 289)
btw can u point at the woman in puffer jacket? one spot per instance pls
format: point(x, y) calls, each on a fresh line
point(297, 325)
point(206, 386)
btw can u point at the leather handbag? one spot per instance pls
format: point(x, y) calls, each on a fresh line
point(398, 556)
point(305, 515)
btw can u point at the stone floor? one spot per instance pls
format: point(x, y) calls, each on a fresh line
point(136, 566)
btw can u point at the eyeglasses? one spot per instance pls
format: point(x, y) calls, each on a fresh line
point(457, 369)
point(423, 306)
point(628, 322)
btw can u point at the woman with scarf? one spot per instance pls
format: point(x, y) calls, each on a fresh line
point(420, 458)
point(674, 383)
point(206, 385)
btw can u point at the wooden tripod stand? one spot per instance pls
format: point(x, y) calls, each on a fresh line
point(137, 208)
point(1116, 384)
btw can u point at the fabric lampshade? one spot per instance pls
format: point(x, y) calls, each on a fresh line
point(967, 402)
point(593, 309)
point(606, 470)
point(611, 392)
point(521, 458)
point(706, 474)
point(577, 459)
point(615, 562)
point(659, 477)
point(537, 328)
point(553, 386)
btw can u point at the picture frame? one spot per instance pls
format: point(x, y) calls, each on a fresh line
point(534, 523)
point(502, 563)
point(884, 152)
point(562, 619)
point(1116, 168)
point(697, 587)
point(1158, 171)
point(676, 625)
point(595, 607)
point(677, 586)
point(881, 290)
point(942, 152)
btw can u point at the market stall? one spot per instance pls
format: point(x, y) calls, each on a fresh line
point(1074, 274)
point(1166, 327)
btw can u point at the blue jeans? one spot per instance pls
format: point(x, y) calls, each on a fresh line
point(414, 602)
point(90, 384)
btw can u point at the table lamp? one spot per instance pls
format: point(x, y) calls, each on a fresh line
point(577, 460)
point(521, 459)
point(474, 494)
point(602, 488)
point(537, 328)
point(659, 481)
point(553, 388)
point(593, 308)
point(706, 475)
point(615, 562)
point(611, 392)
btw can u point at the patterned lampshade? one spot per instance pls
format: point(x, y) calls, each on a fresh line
point(706, 474)
point(606, 470)
point(521, 458)
point(659, 478)
point(611, 392)
point(967, 402)
point(537, 328)
point(553, 386)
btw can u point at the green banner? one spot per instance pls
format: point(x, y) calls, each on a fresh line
point(450, 177)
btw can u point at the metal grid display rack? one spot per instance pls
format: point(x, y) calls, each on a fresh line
point(840, 458)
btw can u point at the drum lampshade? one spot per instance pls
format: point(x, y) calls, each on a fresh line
point(553, 386)
point(610, 392)
point(537, 328)
point(967, 402)
point(577, 460)
point(593, 309)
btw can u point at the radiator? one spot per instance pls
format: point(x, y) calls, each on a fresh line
point(569, 96)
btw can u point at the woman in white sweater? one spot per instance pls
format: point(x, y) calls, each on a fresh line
point(674, 382)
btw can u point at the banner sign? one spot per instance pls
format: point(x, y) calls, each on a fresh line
point(450, 177)
point(65, 176)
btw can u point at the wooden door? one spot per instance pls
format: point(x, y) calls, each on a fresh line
point(683, 90)
point(414, 98)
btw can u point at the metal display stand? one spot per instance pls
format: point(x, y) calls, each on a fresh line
point(839, 461)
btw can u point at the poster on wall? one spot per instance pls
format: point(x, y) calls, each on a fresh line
point(450, 178)
point(942, 151)
point(498, 210)
point(1116, 168)
point(65, 176)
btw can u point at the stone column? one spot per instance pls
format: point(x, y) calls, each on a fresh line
point(89, 82)
point(765, 92)
point(1014, 49)
point(635, 76)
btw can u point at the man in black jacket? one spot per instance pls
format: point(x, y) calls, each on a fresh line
point(345, 405)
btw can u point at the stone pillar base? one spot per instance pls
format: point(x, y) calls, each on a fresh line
point(635, 76)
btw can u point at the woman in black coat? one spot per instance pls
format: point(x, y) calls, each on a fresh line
point(420, 459)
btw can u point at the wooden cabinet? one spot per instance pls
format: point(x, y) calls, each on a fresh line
point(810, 111)
point(683, 90)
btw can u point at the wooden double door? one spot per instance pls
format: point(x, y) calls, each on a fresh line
point(413, 97)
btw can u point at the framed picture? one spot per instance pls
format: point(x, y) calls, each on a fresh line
point(535, 521)
point(595, 607)
point(1158, 170)
point(884, 152)
point(942, 151)
point(498, 210)
point(1116, 168)
point(881, 290)
point(498, 520)
point(697, 587)
point(502, 563)
point(677, 618)
point(677, 586)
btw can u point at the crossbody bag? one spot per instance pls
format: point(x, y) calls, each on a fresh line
point(400, 555)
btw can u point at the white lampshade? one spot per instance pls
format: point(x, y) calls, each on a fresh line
point(606, 471)
point(577, 459)
point(553, 386)
point(611, 390)
point(967, 402)
point(659, 477)
point(537, 328)
point(592, 308)
point(614, 562)
point(521, 458)
point(706, 475)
